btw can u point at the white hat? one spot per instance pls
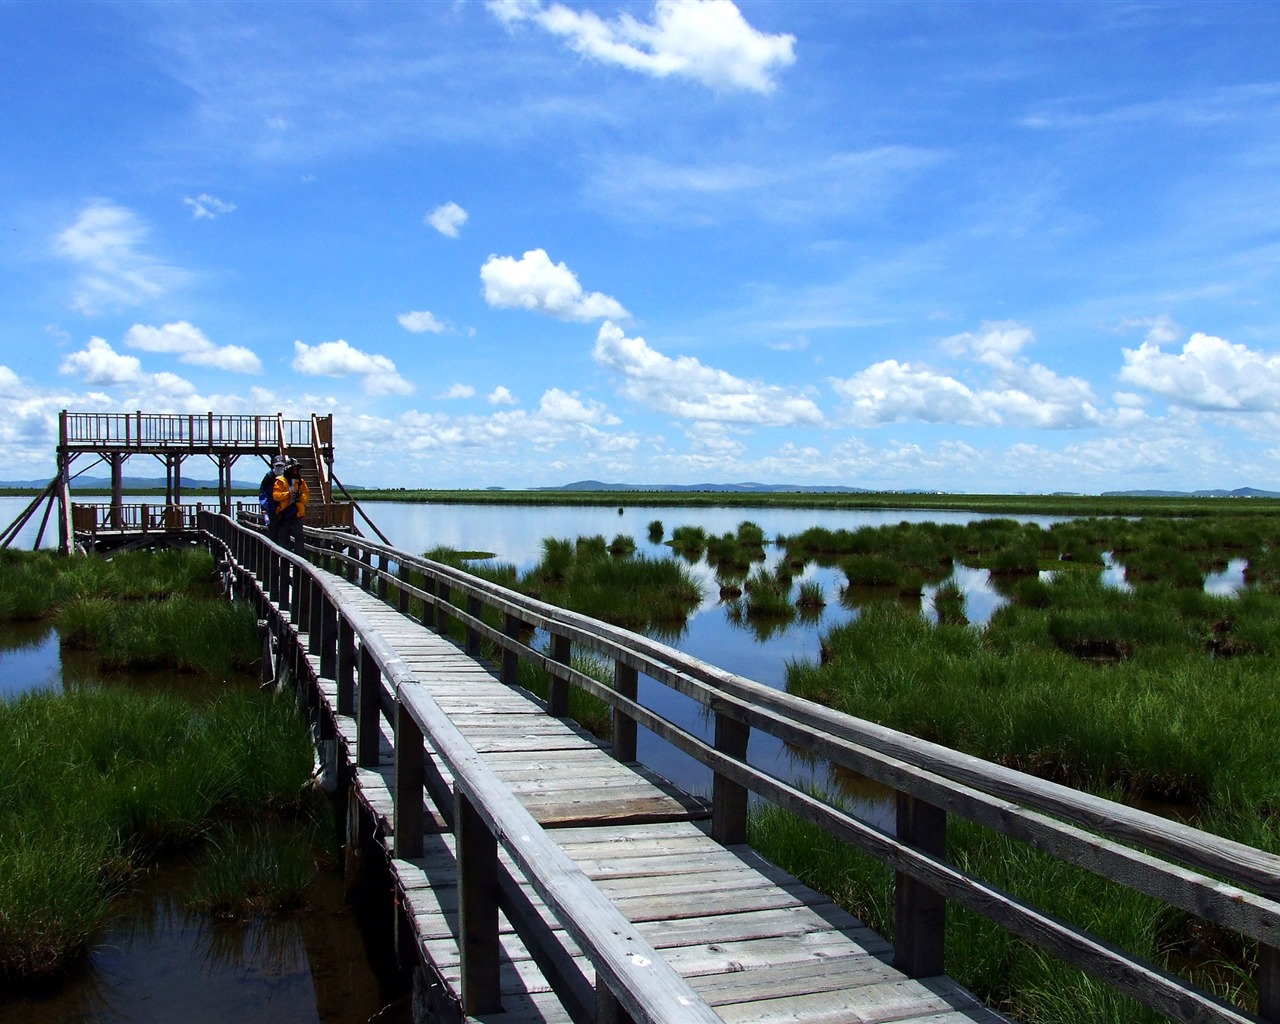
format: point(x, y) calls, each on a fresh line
point(278, 462)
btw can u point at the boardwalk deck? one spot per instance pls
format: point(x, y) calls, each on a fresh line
point(759, 946)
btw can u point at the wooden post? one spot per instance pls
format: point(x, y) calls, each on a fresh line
point(382, 578)
point(608, 1009)
point(626, 682)
point(409, 779)
point(284, 574)
point(1268, 982)
point(366, 570)
point(919, 912)
point(557, 688)
point(369, 723)
point(302, 581)
point(510, 659)
point(328, 639)
point(475, 609)
point(402, 594)
point(346, 666)
point(444, 597)
point(729, 798)
point(315, 614)
point(477, 909)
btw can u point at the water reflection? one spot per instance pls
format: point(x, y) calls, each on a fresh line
point(1228, 582)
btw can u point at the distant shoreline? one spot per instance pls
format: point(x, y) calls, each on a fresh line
point(987, 504)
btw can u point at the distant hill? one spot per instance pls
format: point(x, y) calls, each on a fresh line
point(1239, 492)
point(597, 485)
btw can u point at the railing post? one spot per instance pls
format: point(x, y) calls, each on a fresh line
point(557, 688)
point(409, 784)
point(475, 609)
point(302, 597)
point(510, 659)
point(477, 909)
point(285, 576)
point(608, 1009)
point(402, 594)
point(346, 666)
point(729, 798)
point(919, 912)
point(1268, 982)
point(382, 579)
point(443, 596)
point(315, 614)
point(369, 723)
point(328, 638)
point(366, 569)
point(626, 682)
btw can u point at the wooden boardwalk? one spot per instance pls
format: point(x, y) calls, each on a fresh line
point(756, 944)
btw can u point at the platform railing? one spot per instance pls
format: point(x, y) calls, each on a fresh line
point(1230, 885)
point(633, 980)
point(190, 431)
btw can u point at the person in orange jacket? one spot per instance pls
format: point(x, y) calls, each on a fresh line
point(290, 494)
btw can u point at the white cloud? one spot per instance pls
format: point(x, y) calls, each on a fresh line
point(501, 396)
point(10, 385)
point(106, 241)
point(420, 322)
point(191, 345)
point(1018, 393)
point(560, 405)
point(207, 207)
point(533, 282)
point(457, 391)
point(99, 363)
point(1208, 374)
point(447, 219)
point(686, 388)
point(708, 41)
point(338, 359)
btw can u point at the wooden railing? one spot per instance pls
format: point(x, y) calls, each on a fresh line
point(156, 518)
point(1232, 886)
point(372, 680)
point(139, 430)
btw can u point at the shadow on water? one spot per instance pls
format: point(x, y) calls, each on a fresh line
point(157, 962)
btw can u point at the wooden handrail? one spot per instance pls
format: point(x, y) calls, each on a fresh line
point(1216, 879)
point(643, 983)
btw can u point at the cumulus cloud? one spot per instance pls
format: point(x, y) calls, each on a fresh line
point(99, 363)
point(501, 396)
point(447, 218)
point(708, 41)
point(686, 388)
point(207, 207)
point(457, 391)
point(567, 406)
point(191, 345)
point(420, 322)
point(1209, 374)
point(1017, 393)
point(533, 282)
point(10, 385)
point(338, 359)
point(107, 243)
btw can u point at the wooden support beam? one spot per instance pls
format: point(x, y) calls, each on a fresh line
point(410, 754)
point(557, 688)
point(626, 682)
point(729, 798)
point(477, 910)
point(369, 724)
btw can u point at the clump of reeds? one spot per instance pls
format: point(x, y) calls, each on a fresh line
point(622, 546)
point(246, 872)
point(188, 634)
point(655, 531)
point(689, 542)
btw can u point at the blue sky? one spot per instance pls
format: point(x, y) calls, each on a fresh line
point(962, 246)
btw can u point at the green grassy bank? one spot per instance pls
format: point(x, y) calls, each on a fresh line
point(1020, 504)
